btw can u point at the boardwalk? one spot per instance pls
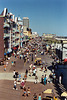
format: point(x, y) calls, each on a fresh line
point(7, 92)
point(6, 79)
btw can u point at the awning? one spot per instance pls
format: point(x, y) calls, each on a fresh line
point(4, 54)
point(65, 60)
point(14, 48)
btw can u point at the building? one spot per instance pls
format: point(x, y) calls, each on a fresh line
point(26, 30)
point(48, 35)
point(61, 48)
point(34, 34)
point(25, 23)
point(20, 26)
point(1, 38)
point(10, 30)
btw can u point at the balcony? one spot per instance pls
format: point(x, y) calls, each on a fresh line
point(16, 44)
point(16, 31)
point(6, 25)
point(6, 36)
point(13, 39)
point(13, 43)
point(13, 36)
point(8, 20)
point(17, 37)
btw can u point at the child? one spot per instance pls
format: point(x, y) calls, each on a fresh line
point(25, 76)
point(28, 91)
point(36, 79)
point(39, 97)
point(12, 63)
point(24, 92)
point(5, 67)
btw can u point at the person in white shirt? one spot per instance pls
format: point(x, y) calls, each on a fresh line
point(60, 79)
point(15, 83)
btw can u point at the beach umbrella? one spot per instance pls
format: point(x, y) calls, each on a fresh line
point(48, 91)
point(64, 94)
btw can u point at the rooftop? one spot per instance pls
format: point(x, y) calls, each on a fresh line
point(25, 18)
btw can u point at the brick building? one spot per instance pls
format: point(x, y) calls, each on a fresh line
point(1, 38)
point(10, 30)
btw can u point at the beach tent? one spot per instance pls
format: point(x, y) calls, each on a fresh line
point(47, 95)
point(48, 91)
point(64, 94)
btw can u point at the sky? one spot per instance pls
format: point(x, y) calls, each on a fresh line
point(46, 16)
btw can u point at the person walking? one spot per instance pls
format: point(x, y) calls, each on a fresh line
point(28, 91)
point(15, 83)
point(35, 96)
point(28, 60)
point(42, 79)
point(30, 72)
point(35, 55)
point(4, 67)
point(60, 78)
point(26, 71)
point(45, 80)
point(39, 97)
point(36, 79)
point(7, 63)
point(24, 94)
point(32, 58)
point(23, 83)
point(12, 63)
point(14, 73)
point(19, 80)
point(41, 67)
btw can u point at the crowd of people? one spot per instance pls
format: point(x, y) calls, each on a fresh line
point(32, 71)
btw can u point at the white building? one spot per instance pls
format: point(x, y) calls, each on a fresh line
point(34, 34)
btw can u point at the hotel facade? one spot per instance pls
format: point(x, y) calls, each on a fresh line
point(11, 33)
